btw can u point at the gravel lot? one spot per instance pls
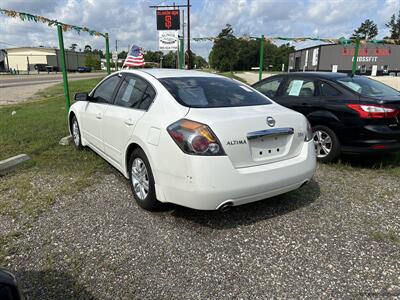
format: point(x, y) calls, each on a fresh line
point(336, 237)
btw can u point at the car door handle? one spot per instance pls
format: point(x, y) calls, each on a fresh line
point(129, 122)
point(99, 116)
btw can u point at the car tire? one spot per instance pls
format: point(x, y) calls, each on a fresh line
point(76, 133)
point(326, 143)
point(142, 181)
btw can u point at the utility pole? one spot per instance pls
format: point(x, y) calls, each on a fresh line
point(188, 24)
point(182, 43)
point(116, 50)
point(174, 6)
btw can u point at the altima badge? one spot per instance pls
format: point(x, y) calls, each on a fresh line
point(270, 121)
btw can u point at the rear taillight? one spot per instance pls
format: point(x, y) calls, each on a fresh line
point(374, 111)
point(309, 133)
point(195, 138)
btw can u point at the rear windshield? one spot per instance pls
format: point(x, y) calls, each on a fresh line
point(368, 87)
point(205, 92)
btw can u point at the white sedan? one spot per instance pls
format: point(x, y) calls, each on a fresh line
point(195, 139)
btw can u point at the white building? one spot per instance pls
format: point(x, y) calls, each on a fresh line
point(21, 58)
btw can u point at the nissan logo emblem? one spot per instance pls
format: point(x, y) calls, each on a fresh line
point(270, 121)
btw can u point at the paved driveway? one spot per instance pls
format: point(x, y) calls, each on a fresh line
point(336, 237)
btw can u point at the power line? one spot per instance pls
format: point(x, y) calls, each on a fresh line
point(8, 44)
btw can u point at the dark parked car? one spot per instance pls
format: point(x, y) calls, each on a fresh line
point(84, 69)
point(40, 67)
point(349, 114)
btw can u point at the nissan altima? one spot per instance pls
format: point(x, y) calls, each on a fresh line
point(194, 139)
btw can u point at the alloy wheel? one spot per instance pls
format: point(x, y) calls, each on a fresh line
point(323, 143)
point(75, 132)
point(140, 178)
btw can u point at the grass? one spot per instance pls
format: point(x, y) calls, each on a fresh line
point(387, 237)
point(35, 129)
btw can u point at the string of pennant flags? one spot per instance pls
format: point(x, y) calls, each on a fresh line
point(66, 27)
point(341, 40)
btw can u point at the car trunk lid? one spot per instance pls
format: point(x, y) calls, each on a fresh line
point(247, 138)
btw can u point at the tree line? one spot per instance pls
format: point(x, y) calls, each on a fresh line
point(168, 60)
point(230, 53)
point(368, 29)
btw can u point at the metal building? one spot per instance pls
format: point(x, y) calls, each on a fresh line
point(373, 59)
point(34, 57)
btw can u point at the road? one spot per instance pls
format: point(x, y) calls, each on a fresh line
point(19, 88)
point(23, 80)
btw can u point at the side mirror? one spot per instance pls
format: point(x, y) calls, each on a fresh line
point(82, 97)
point(8, 286)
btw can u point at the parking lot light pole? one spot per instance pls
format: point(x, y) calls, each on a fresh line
point(261, 57)
point(63, 67)
point(181, 53)
point(354, 68)
point(107, 53)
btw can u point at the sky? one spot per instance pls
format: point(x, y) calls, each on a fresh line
point(133, 22)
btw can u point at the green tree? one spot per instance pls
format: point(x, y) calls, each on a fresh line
point(92, 60)
point(394, 26)
point(153, 56)
point(248, 54)
point(98, 52)
point(224, 54)
point(73, 47)
point(87, 49)
point(169, 60)
point(198, 61)
point(368, 30)
point(122, 54)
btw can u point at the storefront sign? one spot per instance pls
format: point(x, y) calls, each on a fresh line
point(168, 40)
point(366, 59)
point(168, 19)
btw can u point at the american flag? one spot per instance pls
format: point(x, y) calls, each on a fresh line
point(135, 57)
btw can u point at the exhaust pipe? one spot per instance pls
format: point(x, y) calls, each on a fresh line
point(304, 183)
point(225, 207)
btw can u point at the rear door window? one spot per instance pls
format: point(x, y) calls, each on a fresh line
point(328, 90)
point(269, 87)
point(300, 88)
point(135, 93)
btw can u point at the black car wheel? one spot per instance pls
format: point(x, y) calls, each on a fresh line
point(142, 181)
point(326, 143)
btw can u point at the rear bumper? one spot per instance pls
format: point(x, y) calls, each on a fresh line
point(212, 181)
point(374, 146)
point(374, 139)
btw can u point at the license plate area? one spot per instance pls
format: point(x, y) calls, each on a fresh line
point(269, 147)
point(270, 143)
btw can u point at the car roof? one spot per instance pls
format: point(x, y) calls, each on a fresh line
point(165, 73)
point(325, 75)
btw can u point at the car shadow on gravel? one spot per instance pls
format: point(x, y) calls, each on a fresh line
point(253, 212)
point(50, 284)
